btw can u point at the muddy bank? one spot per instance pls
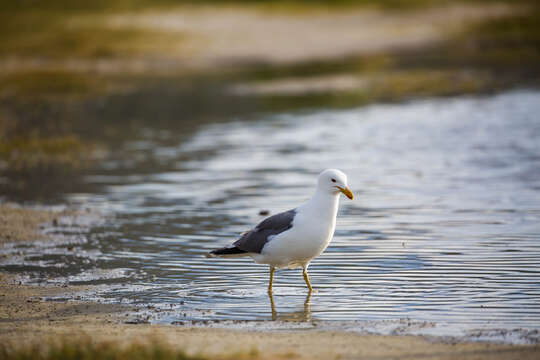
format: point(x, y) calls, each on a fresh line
point(23, 224)
point(24, 312)
point(23, 305)
point(28, 224)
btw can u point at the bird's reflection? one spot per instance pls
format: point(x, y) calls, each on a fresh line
point(300, 315)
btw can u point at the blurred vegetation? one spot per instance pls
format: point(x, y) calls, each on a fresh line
point(392, 86)
point(56, 36)
point(86, 350)
point(49, 83)
point(111, 5)
point(487, 56)
point(33, 151)
point(63, 115)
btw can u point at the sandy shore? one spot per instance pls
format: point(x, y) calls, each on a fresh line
point(27, 319)
point(225, 35)
point(207, 38)
point(24, 224)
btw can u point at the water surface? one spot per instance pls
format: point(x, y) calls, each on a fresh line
point(444, 228)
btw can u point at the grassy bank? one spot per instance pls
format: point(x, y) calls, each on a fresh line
point(483, 57)
point(121, 5)
point(86, 350)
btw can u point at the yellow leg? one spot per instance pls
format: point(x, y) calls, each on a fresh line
point(307, 307)
point(306, 279)
point(272, 306)
point(272, 269)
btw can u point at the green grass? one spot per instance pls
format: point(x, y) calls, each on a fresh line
point(388, 86)
point(35, 151)
point(489, 55)
point(151, 349)
point(49, 83)
point(506, 42)
point(351, 64)
point(122, 5)
point(86, 350)
point(58, 36)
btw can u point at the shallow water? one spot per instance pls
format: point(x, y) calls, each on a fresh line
point(444, 228)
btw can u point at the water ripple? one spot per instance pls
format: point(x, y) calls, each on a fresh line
point(445, 228)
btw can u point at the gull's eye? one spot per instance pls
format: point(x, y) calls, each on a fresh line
point(333, 180)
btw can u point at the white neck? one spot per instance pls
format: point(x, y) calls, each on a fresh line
point(323, 203)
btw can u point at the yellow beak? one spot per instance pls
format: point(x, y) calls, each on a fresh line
point(348, 193)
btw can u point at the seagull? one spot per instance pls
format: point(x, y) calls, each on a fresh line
point(293, 238)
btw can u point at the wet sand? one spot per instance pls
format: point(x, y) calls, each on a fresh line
point(25, 224)
point(27, 319)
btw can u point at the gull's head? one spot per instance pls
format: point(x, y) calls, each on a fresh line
point(334, 182)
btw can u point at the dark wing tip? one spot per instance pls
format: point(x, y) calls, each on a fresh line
point(225, 251)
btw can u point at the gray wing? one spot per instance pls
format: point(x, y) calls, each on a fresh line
point(253, 241)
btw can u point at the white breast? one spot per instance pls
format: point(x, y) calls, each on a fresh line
point(312, 230)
